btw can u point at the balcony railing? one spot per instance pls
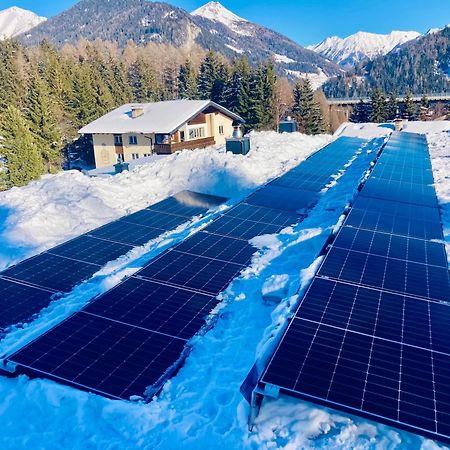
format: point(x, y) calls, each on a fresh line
point(166, 149)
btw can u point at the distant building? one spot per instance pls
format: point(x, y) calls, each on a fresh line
point(137, 130)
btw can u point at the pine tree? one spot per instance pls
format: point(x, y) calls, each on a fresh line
point(44, 123)
point(207, 75)
point(23, 159)
point(143, 82)
point(392, 106)
point(359, 114)
point(409, 110)
point(378, 104)
point(306, 109)
point(424, 108)
point(218, 92)
point(187, 82)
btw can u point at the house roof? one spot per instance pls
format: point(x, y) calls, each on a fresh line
point(160, 117)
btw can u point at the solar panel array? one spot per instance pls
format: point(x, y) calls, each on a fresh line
point(370, 336)
point(29, 286)
point(128, 341)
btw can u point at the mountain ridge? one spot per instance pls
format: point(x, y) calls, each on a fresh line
point(15, 21)
point(361, 46)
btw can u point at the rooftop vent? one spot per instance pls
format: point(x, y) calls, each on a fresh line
point(136, 111)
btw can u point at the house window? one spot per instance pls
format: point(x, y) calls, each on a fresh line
point(221, 132)
point(132, 140)
point(135, 156)
point(146, 155)
point(118, 141)
point(196, 133)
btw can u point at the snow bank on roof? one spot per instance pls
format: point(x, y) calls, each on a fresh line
point(158, 117)
point(362, 130)
point(58, 207)
point(427, 127)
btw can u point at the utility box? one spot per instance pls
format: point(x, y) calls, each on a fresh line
point(121, 166)
point(288, 126)
point(238, 146)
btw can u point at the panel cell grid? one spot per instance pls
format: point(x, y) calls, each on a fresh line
point(155, 219)
point(51, 272)
point(20, 302)
point(392, 246)
point(208, 275)
point(89, 249)
point(109, 358)
point(218, 247)
point(155, 307)
point(263, 215)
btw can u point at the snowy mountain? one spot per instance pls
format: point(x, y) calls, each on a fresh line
point(211, 27)
point(360, 46)
point(216, 12)
point(15, 21)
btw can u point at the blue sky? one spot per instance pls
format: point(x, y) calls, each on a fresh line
point(308, 21)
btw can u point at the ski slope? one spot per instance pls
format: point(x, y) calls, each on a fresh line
point(201, 407)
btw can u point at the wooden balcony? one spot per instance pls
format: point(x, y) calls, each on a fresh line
point(167, 149)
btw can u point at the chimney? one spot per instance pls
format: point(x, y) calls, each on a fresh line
point(136, 111)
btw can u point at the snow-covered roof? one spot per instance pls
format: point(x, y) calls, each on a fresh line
point(160, 117)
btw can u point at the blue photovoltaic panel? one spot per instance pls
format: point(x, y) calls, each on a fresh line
point(155, 307)
point(91, 250)
point(406, 160)
point(104, 356)
point(19, 302)
point(188, 204)
point(155, 219)
point(242, 229)
point(391, 246)
point(306, 183)
point(51, 271)
point(406, 277)
point(285, 199)
point(403, 174)
point(400, 192)
point(191, 271)
point(218, 247)
point(263, 215)
point(395, 224)
point(127, 233)
point(406, 211)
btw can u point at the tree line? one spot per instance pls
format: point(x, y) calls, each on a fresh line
point(47, 94)
point(384, 107)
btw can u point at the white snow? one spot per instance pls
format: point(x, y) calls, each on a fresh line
point(15, 21)
point(237, 50)
point(201, 407)
point(282, 59)
point(361, 45)
point(316, 79)
point(216, 12)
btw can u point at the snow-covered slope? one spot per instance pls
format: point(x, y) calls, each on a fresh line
point(15, 21)
point(216, 12)
point(361, 45)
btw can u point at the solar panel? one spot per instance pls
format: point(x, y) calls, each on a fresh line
point(19, 302)
point(285, 199)
point(403, 174)
point(293, 182)
point(155, 219)
point(400, 192)
point(89, 249)
point(242, 229)
point(188, 204)
point(391, 246)
point(155, 307)
point(199, 273)
point(51, 272)
point(218, 247)
point(396, 275)
point(93, 353)
point(126, 233)
point(382, 355)
point(262, 215)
